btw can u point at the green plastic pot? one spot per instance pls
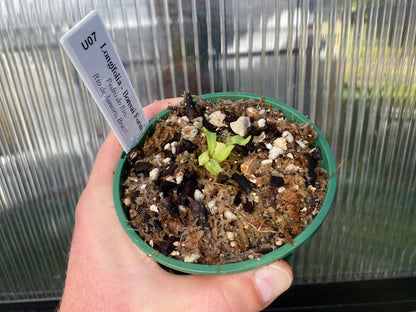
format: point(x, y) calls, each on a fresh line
point(328, 163)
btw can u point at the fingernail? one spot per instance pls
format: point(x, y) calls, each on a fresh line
point(271, 281)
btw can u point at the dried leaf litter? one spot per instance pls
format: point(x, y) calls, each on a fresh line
point(268, 192)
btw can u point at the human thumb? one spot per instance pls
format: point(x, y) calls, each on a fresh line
point(247, 291)
point(273, 280)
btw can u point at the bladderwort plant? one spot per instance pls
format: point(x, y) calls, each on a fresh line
point(217, 151)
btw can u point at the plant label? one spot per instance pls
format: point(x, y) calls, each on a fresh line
point(94, 56)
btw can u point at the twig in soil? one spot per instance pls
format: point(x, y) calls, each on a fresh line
point(187, 230)
point(258, 229)
point(336, 170)
point(219, 269)
point(226, 185)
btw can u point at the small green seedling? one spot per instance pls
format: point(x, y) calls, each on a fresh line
point(217, 151)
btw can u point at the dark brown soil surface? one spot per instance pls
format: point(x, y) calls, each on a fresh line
point(268, 191)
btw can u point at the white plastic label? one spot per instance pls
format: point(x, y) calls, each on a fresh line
point(92, 52)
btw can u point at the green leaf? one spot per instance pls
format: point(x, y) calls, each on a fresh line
point(218, 151)
point(213, 166)
point(223, 153)
point(211, 140)
point(238, 139)
point(219, 147)
point(203, 158)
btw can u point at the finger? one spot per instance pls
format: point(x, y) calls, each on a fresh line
point(273, 280)
point(158, 106)
point(105, 163)
point(247, 291)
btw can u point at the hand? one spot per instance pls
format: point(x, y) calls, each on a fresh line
point(107, 272)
